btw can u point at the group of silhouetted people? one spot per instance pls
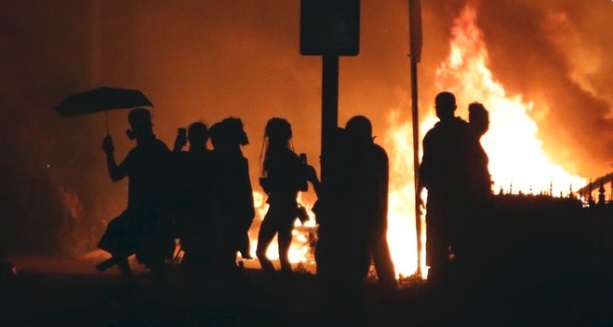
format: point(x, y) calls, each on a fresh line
point(204, 198)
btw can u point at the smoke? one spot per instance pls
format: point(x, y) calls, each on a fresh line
point(554, 54)
point(206, 60)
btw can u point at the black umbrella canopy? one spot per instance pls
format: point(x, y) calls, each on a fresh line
point(102, 99)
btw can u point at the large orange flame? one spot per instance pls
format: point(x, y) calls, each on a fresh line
point(517, 160)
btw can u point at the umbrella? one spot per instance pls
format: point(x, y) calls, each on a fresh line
point(102, 99)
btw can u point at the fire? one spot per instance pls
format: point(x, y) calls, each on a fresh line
point(301, 250)
point(517, 161)
point(401, 234)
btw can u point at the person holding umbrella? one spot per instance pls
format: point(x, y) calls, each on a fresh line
point(141, 229)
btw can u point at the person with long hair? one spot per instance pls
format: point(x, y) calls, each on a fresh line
point(283, 176)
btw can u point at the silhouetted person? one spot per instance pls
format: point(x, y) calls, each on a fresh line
point(233, 191)
point(195, 224)
point(284, 176)
point(141, 228)
point(355, 231)
point(475, 242)
point(366, 180)
point(444, 171)
point(481, 178)
point(339, 295)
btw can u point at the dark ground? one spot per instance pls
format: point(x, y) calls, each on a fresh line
point(69, 292)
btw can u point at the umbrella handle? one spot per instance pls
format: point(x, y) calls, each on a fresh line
point(106, 118)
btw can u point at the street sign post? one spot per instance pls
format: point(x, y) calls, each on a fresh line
point(329, 28)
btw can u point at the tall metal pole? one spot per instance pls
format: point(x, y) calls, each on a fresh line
point(415, 118)
point(415, 42)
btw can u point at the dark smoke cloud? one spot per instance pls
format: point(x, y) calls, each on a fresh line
point(206, 60)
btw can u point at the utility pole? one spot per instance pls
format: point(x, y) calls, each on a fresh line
point(415, 42)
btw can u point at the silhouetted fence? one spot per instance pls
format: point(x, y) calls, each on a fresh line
point(539, 239)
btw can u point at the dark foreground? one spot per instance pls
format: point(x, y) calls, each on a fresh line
point(71, 293)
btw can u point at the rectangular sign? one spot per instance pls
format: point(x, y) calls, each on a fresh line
point(330, 27)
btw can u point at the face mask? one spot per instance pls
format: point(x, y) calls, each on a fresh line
point(130, 134)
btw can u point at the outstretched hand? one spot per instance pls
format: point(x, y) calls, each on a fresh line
point(107, 145)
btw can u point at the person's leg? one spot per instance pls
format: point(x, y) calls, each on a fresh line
point(383, 261)
point(124, 269)
point(265, 236)
point(437, 257)
point(285, 241)
point(287, 217)
point(245, 246)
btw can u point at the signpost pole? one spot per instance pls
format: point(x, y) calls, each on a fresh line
point(329, 115)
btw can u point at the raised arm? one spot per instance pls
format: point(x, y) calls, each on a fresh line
point(115, 172)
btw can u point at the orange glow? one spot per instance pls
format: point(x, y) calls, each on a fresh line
point(299, 251)
point(517, 161)
point(401, 234)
